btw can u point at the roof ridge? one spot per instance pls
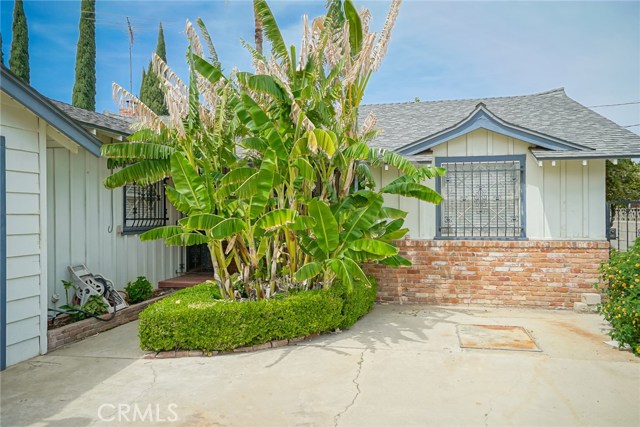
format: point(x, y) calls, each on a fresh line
point(546, 92)
point(116, 117)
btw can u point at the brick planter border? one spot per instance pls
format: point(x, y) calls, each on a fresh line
point(533, 273)
point(174, 354)
point(77, 331)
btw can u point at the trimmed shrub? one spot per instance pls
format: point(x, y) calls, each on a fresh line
point(357, 303)
point(621, 308)
point(197, 319)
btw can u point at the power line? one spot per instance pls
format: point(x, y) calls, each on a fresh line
point(630, 126)
point(615, 105)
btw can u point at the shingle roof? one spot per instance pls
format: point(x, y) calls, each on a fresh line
point(48, 111)
point(550, 113)
point(93, 119)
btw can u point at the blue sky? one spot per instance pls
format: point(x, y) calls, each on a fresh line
point(439, 50)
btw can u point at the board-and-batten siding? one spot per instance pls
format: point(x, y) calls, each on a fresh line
point(25, 138)
point(563, 202)
point(84, 219)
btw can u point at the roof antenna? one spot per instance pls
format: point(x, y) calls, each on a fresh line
point(130, 61)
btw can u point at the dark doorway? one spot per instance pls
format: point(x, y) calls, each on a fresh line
point(198, 259)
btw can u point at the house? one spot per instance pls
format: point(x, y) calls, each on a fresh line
point(523, 216)
point(522, 222)
point(55, 212)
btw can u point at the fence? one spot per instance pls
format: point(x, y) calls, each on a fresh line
point(623, 223)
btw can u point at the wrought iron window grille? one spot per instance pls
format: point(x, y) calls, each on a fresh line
point(483, 198)
point(144, 207)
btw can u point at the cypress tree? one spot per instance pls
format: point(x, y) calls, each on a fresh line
point(84, 88)
point(143, 82)
point(1, 52)
point(19, 59)
point(150, 92)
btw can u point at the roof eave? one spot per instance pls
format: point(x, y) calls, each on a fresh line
point(42, 107)
point(482, 118)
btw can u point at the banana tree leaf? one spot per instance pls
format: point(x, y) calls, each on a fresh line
point(376, 247)
point(177, 200)
point(187, 239)
point(395, 235)
point(188, 182)
point(227, 228)
point(271, 29)
point(276, 143)
point(355, 271)
point(302, 222)
point(326, 228)
point(260, 182)
point(263, 84)
point(355, 27)
point(143, 172)
point(342, 272)
point(393, 213)
point(276, 219)
point(254, 143)
point(161, 232)
point(379, 156)
point(207, 70)
point(308, 271)
point(412, 189)
point(305, 169)
point(396, 261)
point(311, 248)
point(363, 218)
point(325, 140)
point(357, 151)
point(137, 150)
point(201, 222)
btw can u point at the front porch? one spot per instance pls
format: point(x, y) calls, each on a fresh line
point(185, 281)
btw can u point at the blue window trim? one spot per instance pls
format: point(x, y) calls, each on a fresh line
point(482, 118)
point(3, 256)
point(522, 158)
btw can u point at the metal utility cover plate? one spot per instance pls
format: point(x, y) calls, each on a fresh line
point(495, 337)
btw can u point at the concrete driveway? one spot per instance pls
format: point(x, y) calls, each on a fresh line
point(399, 366)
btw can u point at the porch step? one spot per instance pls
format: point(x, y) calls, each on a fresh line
point(185, 281)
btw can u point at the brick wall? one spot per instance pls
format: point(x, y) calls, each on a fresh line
point(550, 274)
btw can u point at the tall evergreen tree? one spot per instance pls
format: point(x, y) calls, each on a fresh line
point(143, 85)
point(150, 92)
point(1, 51)
point(84, 88)
point(19, 59)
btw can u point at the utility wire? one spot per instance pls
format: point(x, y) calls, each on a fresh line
point(630, 126)
point(614, 105)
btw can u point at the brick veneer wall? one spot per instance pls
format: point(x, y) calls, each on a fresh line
point(551, 274)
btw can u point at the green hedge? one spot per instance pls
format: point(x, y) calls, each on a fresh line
point(197, 319)
point(357, 303)
point(621, 308)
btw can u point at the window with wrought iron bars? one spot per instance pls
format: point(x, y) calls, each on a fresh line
point(483, 198)
point(145, 207)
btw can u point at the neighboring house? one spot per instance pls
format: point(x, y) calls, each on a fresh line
point(523, 216)
point(55, 212)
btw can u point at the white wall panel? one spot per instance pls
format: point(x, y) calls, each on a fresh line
point(565, 201)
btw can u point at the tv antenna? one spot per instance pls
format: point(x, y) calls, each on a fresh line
point(130, 57)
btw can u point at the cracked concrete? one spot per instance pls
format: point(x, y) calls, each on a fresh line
point(358, 391)
point(400, 365)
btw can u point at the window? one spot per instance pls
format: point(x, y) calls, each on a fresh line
point(483, 198)
point(145, 207)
